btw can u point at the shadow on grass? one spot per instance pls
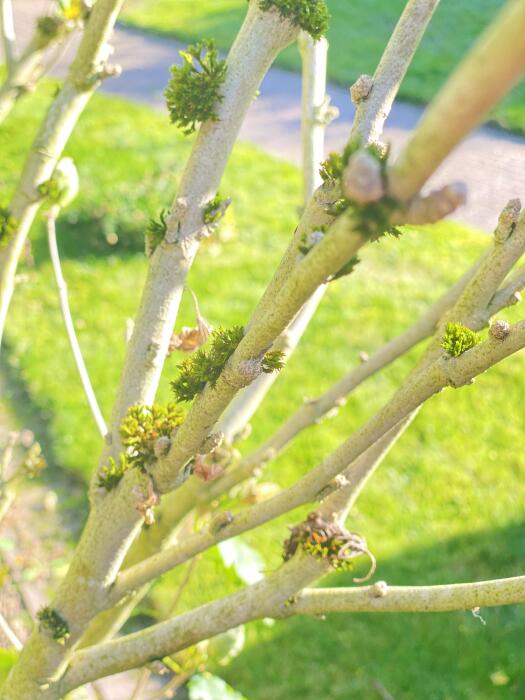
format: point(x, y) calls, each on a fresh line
point(83, 235)
point(453, 656)
point(71, 490)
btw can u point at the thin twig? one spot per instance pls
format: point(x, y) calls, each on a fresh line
point(70, 326)
point(9, 633)
point(7, 27)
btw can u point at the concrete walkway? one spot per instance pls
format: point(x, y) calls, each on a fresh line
point(490, 162)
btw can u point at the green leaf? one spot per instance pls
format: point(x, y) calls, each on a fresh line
point(205, 686)
point(246, 561)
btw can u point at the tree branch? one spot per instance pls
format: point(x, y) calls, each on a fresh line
point(374, 100)
point(498, 55)
point(262, 599)
point(261, 37)
point(383, 598)
point(344, 239)
point(434, 372)
point(52, 137)
point(316, 115)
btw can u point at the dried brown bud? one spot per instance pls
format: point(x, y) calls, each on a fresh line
point(146, 502)
point(205, 470)
point(499, 329)
point(190, 339)
point(162, 446)
point(362, 180)
point(361, 89)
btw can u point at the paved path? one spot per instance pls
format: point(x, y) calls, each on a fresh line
point(490, 162)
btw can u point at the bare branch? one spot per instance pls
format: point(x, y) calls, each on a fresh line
point(375, 102)
point(383, 598)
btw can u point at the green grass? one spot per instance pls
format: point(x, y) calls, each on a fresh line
point(447, 504)
point(359, 30)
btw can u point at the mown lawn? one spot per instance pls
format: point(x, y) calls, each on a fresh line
point(447, 504)
point(359, 30)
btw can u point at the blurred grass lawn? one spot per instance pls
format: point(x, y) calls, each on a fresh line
point(447, 504)
point(359, 30)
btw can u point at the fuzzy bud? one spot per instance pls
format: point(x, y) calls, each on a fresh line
point(212, 442)
point(362, 180)
point(220, 521)
point(379, 589)
point(507, 220)
point(314, 238)
point(433, 207)
point(361, 89)
point(499, 329)
point(162, 446)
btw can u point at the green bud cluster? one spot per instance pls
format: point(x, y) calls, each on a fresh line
point(458, 339)
point(143, 426)
point(194, 90)
point(206, 364)
point(214, 210)
point(110, 475)
point(53, 624)
point(140, 429)
point(62, 187)
point(273, 361)
point(311, 15)
point(8, 226)
point(156, 232)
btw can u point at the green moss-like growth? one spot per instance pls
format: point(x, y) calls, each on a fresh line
point(49, 28)
point(194, 89)
point(143, 426)
point(206, 364)
point(50, 189)
point(347, 268)
point(109, 476)
point(273, 361)
point(310, 15)
point(8, 226)
point(458, 339)
point(156, 232)
point(215, 210)
point(53, 624)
